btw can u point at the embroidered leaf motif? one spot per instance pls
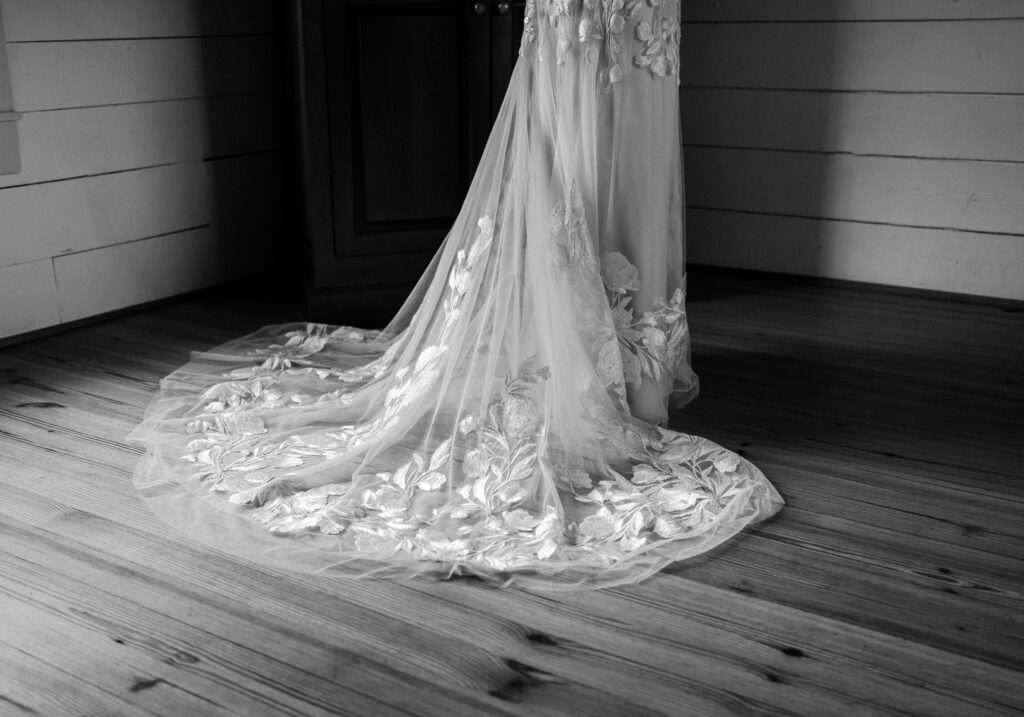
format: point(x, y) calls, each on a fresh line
point(653, 345)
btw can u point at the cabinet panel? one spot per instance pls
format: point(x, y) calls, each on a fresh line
point(396, 101)
point(417, 75)
point(408, 91)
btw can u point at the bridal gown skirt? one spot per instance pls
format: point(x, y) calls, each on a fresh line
point(508, 422)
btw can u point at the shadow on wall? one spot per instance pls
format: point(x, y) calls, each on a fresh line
point(757, 127)
point(242, 63)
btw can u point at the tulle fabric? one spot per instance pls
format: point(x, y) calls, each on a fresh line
point(508, 422)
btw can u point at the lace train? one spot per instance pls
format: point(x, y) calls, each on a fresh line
point(503, 424)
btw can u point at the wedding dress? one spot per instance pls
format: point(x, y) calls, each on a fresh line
point(508, 423)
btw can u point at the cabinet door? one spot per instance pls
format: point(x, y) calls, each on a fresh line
point(396, 102)
point(409, 110)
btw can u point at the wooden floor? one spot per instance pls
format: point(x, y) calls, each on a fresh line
point(891, 584)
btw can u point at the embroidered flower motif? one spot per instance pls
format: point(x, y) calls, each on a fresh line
point(599, 526)
point(475, 464)
point(609, 363)
point(519, 520)
point(560, 18)
point(483, 240)
point(578, 479)
point(654, 344)
point(517, 417)
point(571, 217)
point(675, 500)
point(387, 499)
point(299, 346)
point(505, 454)
point(372, 542)
point(529, 26)
point(600, 24)
point(661, 46)
point(618, 274)
point(459, 280)
point(643, 474)
point(245, 424)
point(727, 463)
point(469, 424)
point(354, 335)
point(667, 527)
point(431, 481)
point(437, 546)
point(654, 337)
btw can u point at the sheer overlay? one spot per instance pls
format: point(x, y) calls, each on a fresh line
point(507, 423)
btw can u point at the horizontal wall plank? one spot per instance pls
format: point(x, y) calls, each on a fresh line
point(10, 150)
point(908, 125)
point(943, 194)
point(49, 219)
point(952, 261)
point(92, 140)
point(111, 278)
point(28, 298)
point(779, 10)
point(6, 101)
point(56, 75)
point(28, 20)
point(982, 56)
point(126, 206)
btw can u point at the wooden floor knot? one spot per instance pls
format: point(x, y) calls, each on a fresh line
point(142, 684)
point(525, 679)
point(540, 638)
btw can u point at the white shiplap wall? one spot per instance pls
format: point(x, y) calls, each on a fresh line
point(10, 157)
point(870, 140)
point(151, 148)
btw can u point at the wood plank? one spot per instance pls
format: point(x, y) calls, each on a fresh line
point(79, 214)
point(937, 194)
point(33, 686)
point(177, 635)
point(10, 153)
point(936, 259)
point(679, 611)
point(978, 573)
point(10, 149)
point(110, 209)
point(34, 20)
point(891, 584)
point(591, 643)
point(62, 144)
point(28, 297)
point(57, 640)
point(976, 57)
point(58, 75)
point(846, 10)
point(898, 125)
point(101, 280)
point(888, 430)
point(347, 622)
point(6, 101)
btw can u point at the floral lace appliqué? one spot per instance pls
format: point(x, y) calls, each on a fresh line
point(226, 452)
point(661, 46)
point(486, 523)
point(653, 344)
point(600, 30)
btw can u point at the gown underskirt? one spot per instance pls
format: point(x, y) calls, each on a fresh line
point(509, 423)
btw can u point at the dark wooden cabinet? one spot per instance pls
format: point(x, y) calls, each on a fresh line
point(393, 105)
